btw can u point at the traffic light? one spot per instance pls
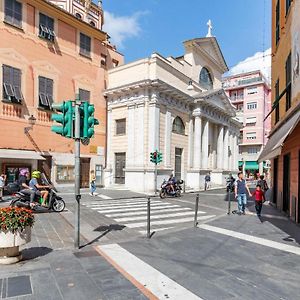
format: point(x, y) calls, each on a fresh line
point(159, 157)
point(65, 119)
point(153, 157)
point(88, 120)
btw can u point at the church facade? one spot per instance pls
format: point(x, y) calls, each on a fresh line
point(176, 106)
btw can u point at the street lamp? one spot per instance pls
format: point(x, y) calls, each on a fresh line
point(31, 121)
point(190, 86)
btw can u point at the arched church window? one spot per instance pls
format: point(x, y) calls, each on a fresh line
point(205, 79)
point(178, 126)
point(78, 16)
point(93, 24)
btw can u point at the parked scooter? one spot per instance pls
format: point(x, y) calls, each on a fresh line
point(167, 191)
point(230, 184)
point(54, 202)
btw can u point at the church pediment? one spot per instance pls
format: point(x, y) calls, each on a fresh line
point(209, 48)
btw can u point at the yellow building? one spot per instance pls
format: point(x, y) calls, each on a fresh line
point(283, 147)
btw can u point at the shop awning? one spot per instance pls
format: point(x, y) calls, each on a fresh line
point(240, 163)
point(275, 143)
point(251, 165)
point(20, 154)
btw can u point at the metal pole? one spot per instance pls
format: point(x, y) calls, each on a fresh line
point(155, 179)
point(196, 211)
point(229, 199)
point(77, 175)
point(148, 218)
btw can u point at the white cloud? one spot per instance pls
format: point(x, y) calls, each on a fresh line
point(121, 28)
point(258, 61)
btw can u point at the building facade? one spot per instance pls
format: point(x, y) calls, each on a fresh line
point(250, 93)
point(283, 147)
point(48, 54)
point(178, 107)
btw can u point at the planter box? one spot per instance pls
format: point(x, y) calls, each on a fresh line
point(10, 242)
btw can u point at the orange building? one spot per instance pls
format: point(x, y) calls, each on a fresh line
point(283, 146)
point(50, 51)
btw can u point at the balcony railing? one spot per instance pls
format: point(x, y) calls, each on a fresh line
point(249, 81)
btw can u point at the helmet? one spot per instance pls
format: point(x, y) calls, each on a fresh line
point(23, 172)
point(36, 174)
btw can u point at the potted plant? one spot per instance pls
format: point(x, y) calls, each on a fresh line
point(15, 230)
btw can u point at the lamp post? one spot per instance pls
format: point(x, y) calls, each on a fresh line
point(190, 86)
point(31, 121)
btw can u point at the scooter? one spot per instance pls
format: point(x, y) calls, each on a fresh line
point(166, 190)
point(54, 202)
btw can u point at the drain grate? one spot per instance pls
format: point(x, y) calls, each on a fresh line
point(15, 286)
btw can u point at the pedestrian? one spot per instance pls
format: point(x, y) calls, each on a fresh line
point(207, 181)
point(92, 183)
point(240, 191)
point(259, 197)
point(263, 183)
point(2, 184)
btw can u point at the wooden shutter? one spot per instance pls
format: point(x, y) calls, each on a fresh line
point(49, 91)
point(17, 84)
point(18, 13)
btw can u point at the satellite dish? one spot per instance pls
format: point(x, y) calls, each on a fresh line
point(85, 141)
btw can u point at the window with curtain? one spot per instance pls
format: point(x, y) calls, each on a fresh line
point(178, 126)
point(205, 79)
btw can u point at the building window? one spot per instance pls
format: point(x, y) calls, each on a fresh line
point(251, 135)
point(121, 126)
point(287, 6)
point(84, 95)
point(236, 95)
point(277, 22)
point(178, 126)
point(252, 150)
point(252, 90)
point(103, 60)
point(45, 92)
point(288, 77)
point(92, 24)
point(12, 84)
point(78, 16)
point(65, 174)
point(250, 121)
point(85, 45)
point(205, 79)
point(251, 105)
point(46, 28)
point(13, 12)
point(277, 111)
point(115, 63)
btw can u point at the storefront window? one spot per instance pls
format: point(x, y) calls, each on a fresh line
point(65, 173)
point(12, 173)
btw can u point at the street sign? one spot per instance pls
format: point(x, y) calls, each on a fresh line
point(85, 141)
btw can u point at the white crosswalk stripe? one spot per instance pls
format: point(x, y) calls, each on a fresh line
point(132, 213)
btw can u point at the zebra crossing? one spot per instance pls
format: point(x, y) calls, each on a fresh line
point(132, 213)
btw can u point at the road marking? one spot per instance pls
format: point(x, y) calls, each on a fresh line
point(156, 282)
point(95, 206)
point(140, 213)
point(135, 209)
point(155, 230)
point(104, 196)
point(161, 216)
point(165, 222)
point(253, 239)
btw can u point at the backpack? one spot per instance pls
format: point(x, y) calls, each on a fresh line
point(263, 184)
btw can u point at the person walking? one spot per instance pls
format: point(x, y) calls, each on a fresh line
point(207, 181)
point(259, 197)
point(2, 184)
point(92, 183)
point(241, 189)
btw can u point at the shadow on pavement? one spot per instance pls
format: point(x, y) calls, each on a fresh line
point(105, 229)
point(35, 252)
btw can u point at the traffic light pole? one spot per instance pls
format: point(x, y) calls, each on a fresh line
point(77, 175)
point(155, 179)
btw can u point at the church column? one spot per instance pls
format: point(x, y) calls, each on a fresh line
point(215, 145)
point(109, 163)
point(226, 144)
point(231, 146)
point(130, 157)
point(168, 130)
point(197, 142)
point(236, 152)
point(220, 148)
point(153, 126)
point(191, 143)
point(139, 126)
point(205, 144)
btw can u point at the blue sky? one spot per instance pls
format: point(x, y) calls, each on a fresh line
point(141, 27)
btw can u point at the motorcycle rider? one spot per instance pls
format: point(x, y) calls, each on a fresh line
point(39, 189)
point(171, 184)
point(23, 183)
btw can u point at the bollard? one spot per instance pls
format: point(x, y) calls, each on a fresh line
point(196, 211)
point(148, 218)
point(229, 204)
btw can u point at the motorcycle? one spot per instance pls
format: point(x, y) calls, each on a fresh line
point(54, 202)
point(166, 190)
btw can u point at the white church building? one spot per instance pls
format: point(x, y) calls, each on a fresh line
point(178, 107)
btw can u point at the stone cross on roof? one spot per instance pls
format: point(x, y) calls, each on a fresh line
point(209, 24)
